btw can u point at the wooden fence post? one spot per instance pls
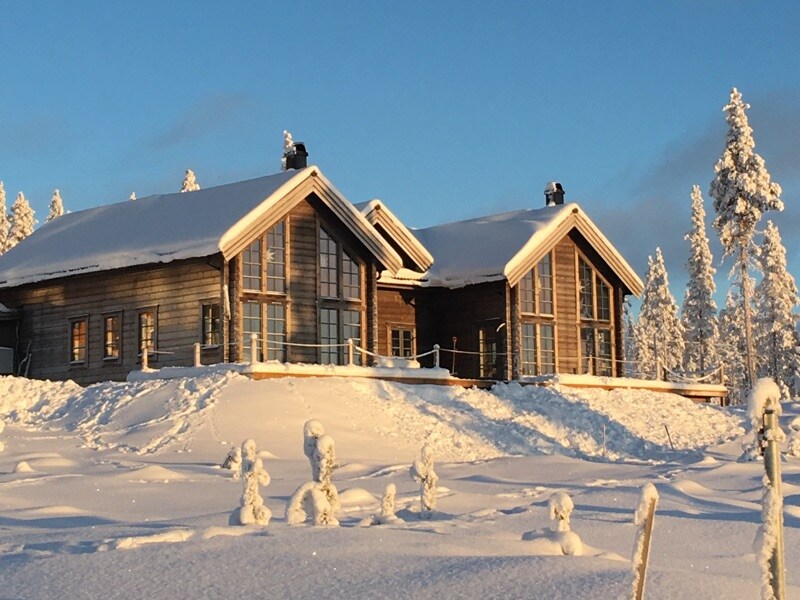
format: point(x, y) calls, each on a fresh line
point(643, 517)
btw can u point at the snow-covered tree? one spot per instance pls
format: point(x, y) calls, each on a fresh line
point(56, 207)
point(132, 196)
point(325, 459)
point(658, 333)
point(310, 500)
point(699, 311)
point(4, 222)
point(252, 510)
point(22, 220)
point(628, 339)
point(560, 507)
point(731, 347)
point(312, 431)
point(190, 182)
point(386, 515)
point(742, 191)
point(423, 473)
point(775, 319)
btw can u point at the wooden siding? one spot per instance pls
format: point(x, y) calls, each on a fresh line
point(566, 291)
point(396, 307)
point(175, 290)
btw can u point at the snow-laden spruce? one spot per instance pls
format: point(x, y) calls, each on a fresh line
point(189, 182)
point(699, 311)
point(658, 332)
point(776, 336)
point(252, 510)
point(641, 548)
point(742, 191)
point(319, 498)
point(56, 207)
point(628, 339)
point(422, 472)
point(386, 516)
point(5, 224)
point(22, 220)
point(731, 346)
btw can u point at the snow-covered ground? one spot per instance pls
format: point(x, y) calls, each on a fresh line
point(115, 491)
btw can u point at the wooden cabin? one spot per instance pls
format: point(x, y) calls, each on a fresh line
point(288, 261)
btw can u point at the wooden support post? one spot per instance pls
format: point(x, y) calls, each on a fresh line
point(253, 348)
point(644, 517)
point(197, 361)
point(349, 351)
point(145, 363)
point(772, 466)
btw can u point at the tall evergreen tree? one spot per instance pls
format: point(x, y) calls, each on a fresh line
point(742, 190)
point(56, 207)
point(699, 311)
point(732, 346)
point(4, 222)
point(628, 338)
point(190, 182)
point(659, 333)
point(22, 220)
point(775, 319)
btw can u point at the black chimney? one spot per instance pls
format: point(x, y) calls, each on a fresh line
point(553, 194)
point(295, 157)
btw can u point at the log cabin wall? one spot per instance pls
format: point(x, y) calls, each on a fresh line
point(174, 291)
point(397, 309)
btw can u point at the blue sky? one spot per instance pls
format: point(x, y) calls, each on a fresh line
point(445, 110)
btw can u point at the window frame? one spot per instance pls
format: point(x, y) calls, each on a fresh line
point(115, 332)
point(593, 357)
point(538, 366)
point(71, 321)
point(205, 344)
point(153, 346)
point(264, 248)
point(529, 289)
point(401, 328)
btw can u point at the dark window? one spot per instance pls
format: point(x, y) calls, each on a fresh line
point(536, 288)
point(112, 334)
point(597, 352)
point(401, 342)
point(351, 278)
point(211, 321)
point(329, 335)
point(328, 265)
point(78, 329)
point(251, 267)
point(276, 332)
point(586, 289)
point(487, 349)
point(147, 332)
point(526, 298)
point(351, 330)
point(538, 348)
point(276, 258)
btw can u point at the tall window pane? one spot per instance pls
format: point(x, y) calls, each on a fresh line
point(276, 332)
point(276, 258)
point(329, 334)
point(251, 324)
point(526, 293)
point(588, 353)
point(211, 314)
point(78, 340)
point(111, 336)
point(603, 352)
point(547, 352)
point(528, 349)
point(487, 347)
point(351, 330)
point(351, 278)
point(603, 301)
point(251, 267)
point(586, 281)
point(328, 265)
point(545, 272)
point(147, 331)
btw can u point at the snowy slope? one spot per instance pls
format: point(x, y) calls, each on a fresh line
point(121, 494)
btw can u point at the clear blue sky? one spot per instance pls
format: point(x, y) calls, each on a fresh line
point(445, 110)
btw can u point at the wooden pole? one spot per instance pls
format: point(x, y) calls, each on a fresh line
point(643, 538)
point(772, 466)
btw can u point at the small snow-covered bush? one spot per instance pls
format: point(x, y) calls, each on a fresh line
point(386, 515)
point(252, 510)
point(423, 473)
point(560, 507)
point(310, 500)
point(318, 498)
point(559, 539)
point(312, 430)
point(765, 394)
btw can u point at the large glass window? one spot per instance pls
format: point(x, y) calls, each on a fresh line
point(78, 329)
point(251, 324)
point(328, 265)
point(329, 335)
point(529, 350)
point(597, 339)
point(351, 278)
point(538, 348)
point(536, 288)
point(586, 289)
point(276, 332)
point(487, 349)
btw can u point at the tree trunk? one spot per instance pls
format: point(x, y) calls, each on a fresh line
point(748, 324)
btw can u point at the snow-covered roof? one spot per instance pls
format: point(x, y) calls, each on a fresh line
point(163, 228)
point(377, 213)
point(507, 245)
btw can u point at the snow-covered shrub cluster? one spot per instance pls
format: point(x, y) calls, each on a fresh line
point(252, 510)
point(317, 499)
point(423, 473)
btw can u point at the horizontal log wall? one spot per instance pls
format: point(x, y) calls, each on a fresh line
point(175, 291)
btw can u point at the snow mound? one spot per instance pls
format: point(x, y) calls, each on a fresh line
point(386, 421)
point(151, 473)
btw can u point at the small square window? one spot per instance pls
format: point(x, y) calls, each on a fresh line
point(210, 335)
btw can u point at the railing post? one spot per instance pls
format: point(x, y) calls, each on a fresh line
point(197, 361)
point(145, 364)
point(773, 501)
point(253, 348)
point(436, 356)
point(349, 351)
